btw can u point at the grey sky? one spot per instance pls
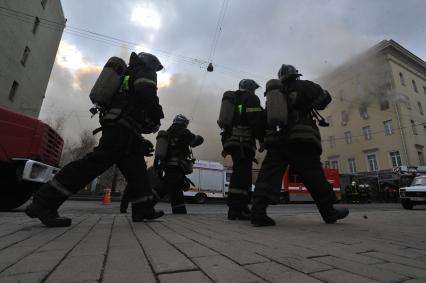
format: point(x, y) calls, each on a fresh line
point(257, 36)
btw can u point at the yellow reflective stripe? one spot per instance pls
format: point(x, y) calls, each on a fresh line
point(253, 109)
point(125, 84)
point(145, 81)
point(240, 108)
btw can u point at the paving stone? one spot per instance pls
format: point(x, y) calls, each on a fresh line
point(126, 261)
point(19, 236)
point(404, 269)
point(237, 250)
point(221, 269)
point(78, 269)
point(162, 255)
point(184, 277)
point(275, 272)
point(301, 264)
point(338, 276)
point(369, 271)
point(24, 278)
point(396, 259)
point(192, 249)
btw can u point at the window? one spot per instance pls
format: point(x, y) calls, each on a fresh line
point(413, 127)
point(384, 104)
point(345, 117)
point(43, 3)
point(401, 78)
point(352, 165)
point(388, 127)
point(329, 120)
point(327, 164)
point(334, 164)
point(395, 158)
point(348, 137)
point(332, 142)
point(420, 108)
point(414, 86)
point(372, 162)
point(363, 111)
point(25, 55)
point(421, 158)
point(36, 24)
point(13, 90)
point(367, 133)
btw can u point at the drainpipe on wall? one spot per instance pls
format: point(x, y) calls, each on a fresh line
point(402, 134)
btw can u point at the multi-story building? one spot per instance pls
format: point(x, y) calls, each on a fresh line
point(30, 32)
point(377, 117)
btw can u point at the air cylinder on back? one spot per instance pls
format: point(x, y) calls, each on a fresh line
point(227, 109)
point(276, 104)
point(161, 145)
point(108, 82)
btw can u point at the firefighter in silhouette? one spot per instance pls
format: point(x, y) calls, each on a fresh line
point(292, 138)
point(241, 123)
point(175, 161)
point(134, 109)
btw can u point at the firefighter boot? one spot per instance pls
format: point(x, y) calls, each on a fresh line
point(145, 210)
point(44, 206)
point(258, 213)
point(179, 209)
point(329, 213)
point(235, 213)
point(124, 204)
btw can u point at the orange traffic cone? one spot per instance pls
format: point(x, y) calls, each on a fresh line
point(107, 196)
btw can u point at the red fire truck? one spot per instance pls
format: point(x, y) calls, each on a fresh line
point(30, 151)
point(294, 190)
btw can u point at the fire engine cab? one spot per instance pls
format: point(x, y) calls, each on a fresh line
point(294, 190)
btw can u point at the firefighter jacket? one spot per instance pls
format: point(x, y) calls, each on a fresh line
point(136, 106)
point(303, 98)
point(181, 140)
point(247, 123)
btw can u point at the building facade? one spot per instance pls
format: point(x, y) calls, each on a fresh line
point(30, 32)
point(377, 117)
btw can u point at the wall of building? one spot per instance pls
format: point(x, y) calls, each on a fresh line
point(372, 82)
point(20, 33)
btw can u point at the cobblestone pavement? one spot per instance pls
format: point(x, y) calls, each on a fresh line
point(377, 243)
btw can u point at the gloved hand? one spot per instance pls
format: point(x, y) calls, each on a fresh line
point(224, 154)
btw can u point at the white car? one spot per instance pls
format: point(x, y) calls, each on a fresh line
point(414, 194)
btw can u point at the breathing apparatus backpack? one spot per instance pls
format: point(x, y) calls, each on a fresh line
point(227, 109)
point(276, 105)
point(107, 84)
point(162, 145)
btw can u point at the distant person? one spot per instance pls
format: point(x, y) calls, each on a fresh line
point(293, 138)
point(134, 109)
point(177, 162)
point(241, 123)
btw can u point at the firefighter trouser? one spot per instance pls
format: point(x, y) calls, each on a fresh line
point(117, 146)
point(304, 159)
point(172, 184)
point(241, 180)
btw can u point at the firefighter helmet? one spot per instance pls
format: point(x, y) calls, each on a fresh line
point(248, 84)
point(181, 119)
point(287, 72)
point(151, 61)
